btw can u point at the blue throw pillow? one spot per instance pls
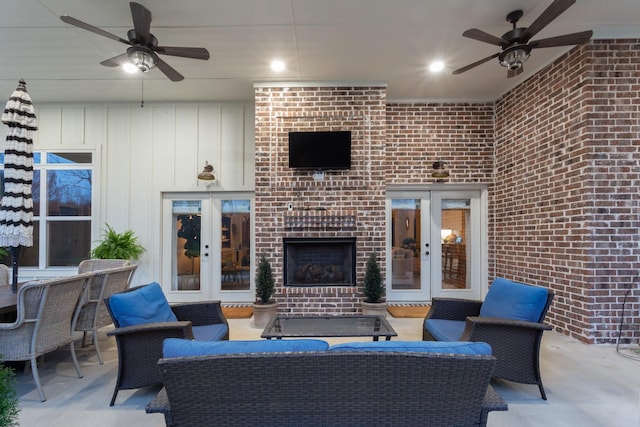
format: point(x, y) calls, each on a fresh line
point(458, 347)
point(177, 347)
point(146, 304)
point(515, 301)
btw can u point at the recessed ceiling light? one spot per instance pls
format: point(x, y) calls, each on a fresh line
point(129, 68)
point(436, 66)
point(278, 66)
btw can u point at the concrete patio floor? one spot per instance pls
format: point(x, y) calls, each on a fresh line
point(586, 385)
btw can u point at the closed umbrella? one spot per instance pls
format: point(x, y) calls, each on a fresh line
point(16, 206)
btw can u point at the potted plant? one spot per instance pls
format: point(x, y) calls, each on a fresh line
point(264, 308)
point(8, 398)
point(373, 303)
point(116, 245)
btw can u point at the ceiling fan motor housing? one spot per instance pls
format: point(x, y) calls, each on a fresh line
point(514, 56)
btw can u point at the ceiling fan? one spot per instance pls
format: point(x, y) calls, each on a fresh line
point(143, 51)
point(515, 44)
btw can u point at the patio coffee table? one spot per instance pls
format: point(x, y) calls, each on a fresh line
point(329, 326)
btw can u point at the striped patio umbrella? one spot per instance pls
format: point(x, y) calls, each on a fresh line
point(16, 206)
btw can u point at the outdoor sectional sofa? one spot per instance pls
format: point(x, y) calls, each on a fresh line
point(306, 382)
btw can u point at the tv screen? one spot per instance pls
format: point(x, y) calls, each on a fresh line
point(320, 150)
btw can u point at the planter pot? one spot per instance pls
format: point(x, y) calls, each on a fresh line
point(263, 313)
point(374, 308)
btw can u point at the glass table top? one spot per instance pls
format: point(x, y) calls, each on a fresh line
point(329, 326)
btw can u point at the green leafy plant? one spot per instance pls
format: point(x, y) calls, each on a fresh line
point(265, 284)
point(8, 398)
point(373, 289)
point(117, 245)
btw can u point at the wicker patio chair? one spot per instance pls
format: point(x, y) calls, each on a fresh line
point(46, 314)
point(5, 275)
point(515, 343)
point(93, 312)
point(100, 264)
point(140, 346)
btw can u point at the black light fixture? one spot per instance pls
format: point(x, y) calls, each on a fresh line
point(439, 171)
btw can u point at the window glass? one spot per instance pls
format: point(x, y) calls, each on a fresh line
point(64, 182)
point(69, 192)
point(69, 158)
point(68, 242)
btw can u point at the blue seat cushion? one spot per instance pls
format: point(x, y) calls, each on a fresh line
point(458, 347)
point(445, 330)
point(210, 332)
point(515, 301)
point(177, 347)
point(146, 304)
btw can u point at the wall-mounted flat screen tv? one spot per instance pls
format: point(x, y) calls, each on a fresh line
point(320, 150)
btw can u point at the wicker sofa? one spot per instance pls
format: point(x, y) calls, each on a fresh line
point(308, 383)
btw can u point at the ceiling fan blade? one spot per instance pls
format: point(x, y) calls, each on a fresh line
point(116, 61)
point(566, 40)
point(141, 21)
point(550, 13)
point(73, 21)
point(480, 35)
point(185, 52)
point(513, 73)
point(169, 71)
point(475, 64)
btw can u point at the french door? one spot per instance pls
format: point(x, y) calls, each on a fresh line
point(206, 247)
point(436, 244)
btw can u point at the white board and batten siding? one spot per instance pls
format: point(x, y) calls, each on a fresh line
point(139, 153)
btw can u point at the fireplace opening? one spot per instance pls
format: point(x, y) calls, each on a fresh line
point(319, 261)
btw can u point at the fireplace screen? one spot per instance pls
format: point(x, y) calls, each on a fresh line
point(319, 261)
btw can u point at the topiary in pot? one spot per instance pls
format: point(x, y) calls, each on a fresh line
point(265, 284)
point(373, 303)
point(8, 398)
point(117, 245)
point(373, 289)
point(264, 309)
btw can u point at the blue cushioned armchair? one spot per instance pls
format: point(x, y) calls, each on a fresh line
point(511, 320)
point(143, 319)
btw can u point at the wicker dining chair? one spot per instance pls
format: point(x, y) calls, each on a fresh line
point(88, 265)
point(46, 315)
point(5, 275)
point(93, 313)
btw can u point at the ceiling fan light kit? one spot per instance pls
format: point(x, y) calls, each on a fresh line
point(143, 51)
point(516, 45)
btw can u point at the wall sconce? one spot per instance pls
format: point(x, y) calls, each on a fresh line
point(439, 171)
point(206, 176)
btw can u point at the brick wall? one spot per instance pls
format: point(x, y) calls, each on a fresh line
point(358, 191)
point(559, 153)
point(418, 134)
point(564, 208)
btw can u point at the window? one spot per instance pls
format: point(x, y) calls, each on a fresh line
point(62, 194)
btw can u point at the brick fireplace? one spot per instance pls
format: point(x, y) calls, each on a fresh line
point(299, 205)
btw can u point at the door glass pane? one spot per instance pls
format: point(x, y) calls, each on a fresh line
point(405, 244)
point(235, 245)
point(185, 271)
point(455, 234)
